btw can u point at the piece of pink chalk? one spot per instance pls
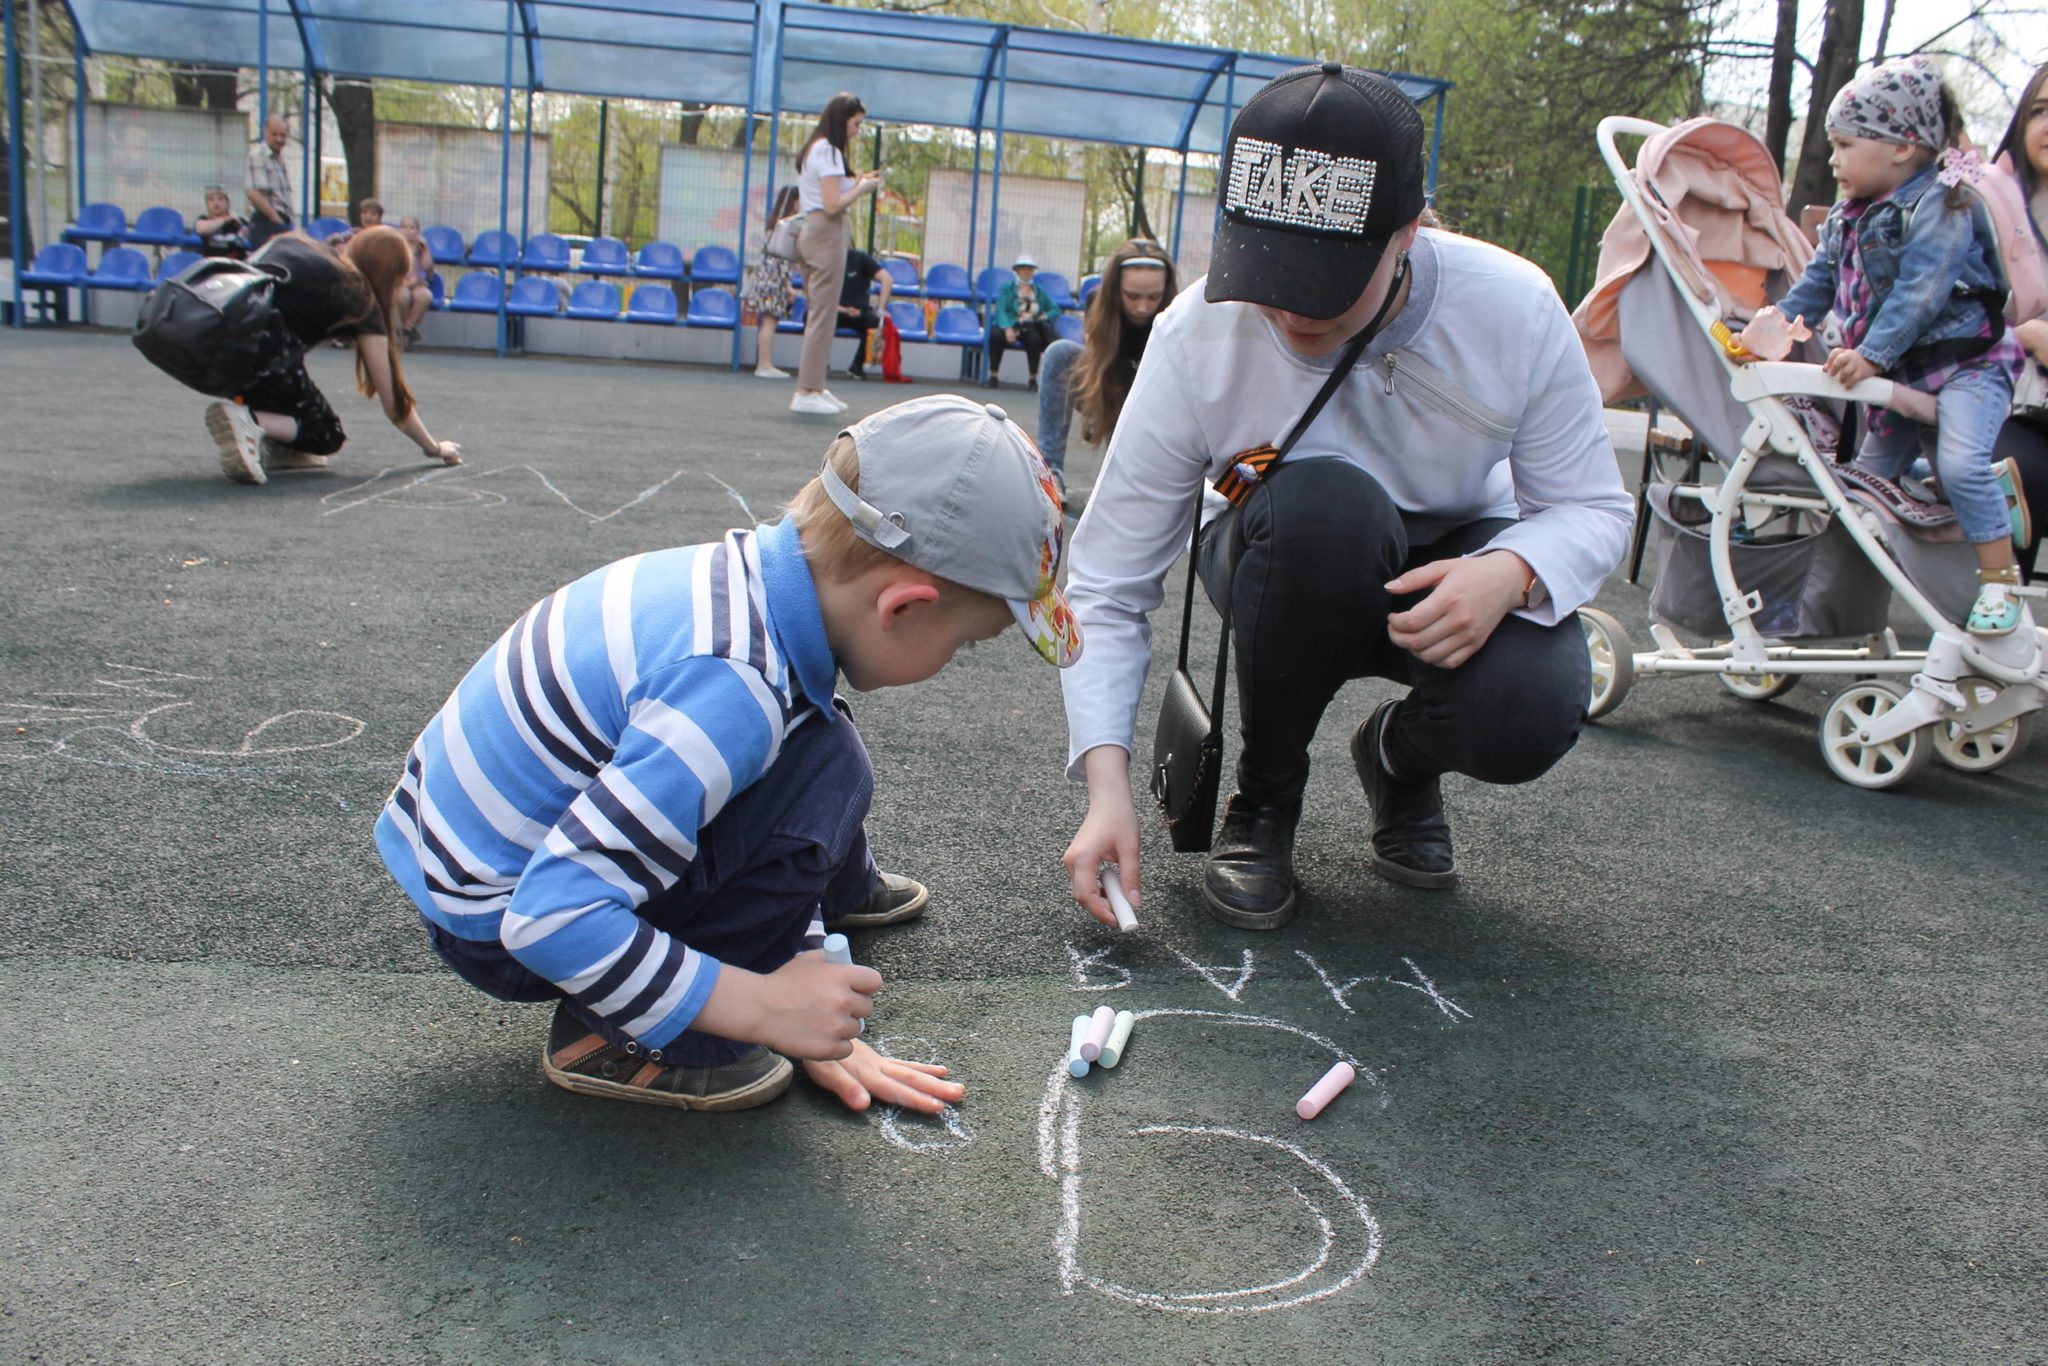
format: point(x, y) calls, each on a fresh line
point(1325, 1091)
point(1099, 1025)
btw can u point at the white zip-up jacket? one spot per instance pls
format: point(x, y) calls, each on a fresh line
point(1474, 402)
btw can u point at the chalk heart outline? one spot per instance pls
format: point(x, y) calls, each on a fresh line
point(252, 745)
point(1348, 1226)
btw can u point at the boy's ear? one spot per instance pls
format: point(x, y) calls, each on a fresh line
point(900, 596)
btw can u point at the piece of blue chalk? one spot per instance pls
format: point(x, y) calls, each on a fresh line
point(837, 950)
point(1076, 1064)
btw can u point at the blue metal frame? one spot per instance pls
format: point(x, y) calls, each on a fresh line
point(78, 112)
point(505, 165)
point(17, 224)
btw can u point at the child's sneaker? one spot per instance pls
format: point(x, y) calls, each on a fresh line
point(239, 439)
point(1998, 609)
point(2008, 472)
point(894, 900)
point(278, 456)
point(586, 1063)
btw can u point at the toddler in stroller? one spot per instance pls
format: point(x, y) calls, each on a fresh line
point(1912, 278)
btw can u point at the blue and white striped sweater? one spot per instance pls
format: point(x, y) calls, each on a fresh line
point(568, 776)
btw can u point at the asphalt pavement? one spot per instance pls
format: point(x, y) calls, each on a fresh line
point(1710, 1057)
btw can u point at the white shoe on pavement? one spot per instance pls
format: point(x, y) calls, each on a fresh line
point(816, 404)
point(770, 372)
point(839, 404)
point(240, 441)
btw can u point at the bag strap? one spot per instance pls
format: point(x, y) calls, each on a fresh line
point(1348, 359)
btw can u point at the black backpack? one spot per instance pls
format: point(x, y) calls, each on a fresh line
point(215, 326)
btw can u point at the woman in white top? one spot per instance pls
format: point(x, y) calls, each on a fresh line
point(1438, 524)
point(824, 192)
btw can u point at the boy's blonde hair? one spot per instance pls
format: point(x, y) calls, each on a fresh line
point(835, 551)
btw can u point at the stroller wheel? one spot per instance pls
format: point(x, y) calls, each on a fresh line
point(1613, 658)
point(1881, 765)
point(1759, 687)
point(1984, 750)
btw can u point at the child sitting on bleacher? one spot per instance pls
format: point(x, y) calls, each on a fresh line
point(1912, 276)
point(218, 230)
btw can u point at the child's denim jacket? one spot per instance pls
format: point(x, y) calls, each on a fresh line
point(1931, 272)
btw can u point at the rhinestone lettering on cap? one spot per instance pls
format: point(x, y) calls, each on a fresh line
point(1305, 188)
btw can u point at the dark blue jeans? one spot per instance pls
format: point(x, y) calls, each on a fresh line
point(788, 848)
point(1306, 561)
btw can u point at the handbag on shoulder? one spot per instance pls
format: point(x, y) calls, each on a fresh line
point(782, 242)
point(215, 326)
point(1187, 744)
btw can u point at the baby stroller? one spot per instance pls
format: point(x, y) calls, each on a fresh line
point(1785, 562)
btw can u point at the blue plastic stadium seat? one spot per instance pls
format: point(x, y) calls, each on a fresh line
point(121, 268)
point(990, 282)
point(445, 244)
point(652, 304)
point(799, 309)
point(476, 293)
point(660, 261)
point(57, 266)
point(98, 223)
point(176, 264)
point(545, 252)
point(324, 228)
point(606, 256)
point(597, 300)
point(534, 297)
point(909, 320)
point(1089, 284)
point(1055, 284)
point(1068, 325)
point(494, 248)
point(438, 289)
point(158, 227)
point(903, 277)
point(958, 326)
point(715, 308)
point(948, 282)
point(715, 265)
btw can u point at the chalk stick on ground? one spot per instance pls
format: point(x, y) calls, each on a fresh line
point(1076, 1064)
point(1099, 1025)
point(1325, 1090)
point(837, 950)
point(1119, 1036)
point(1113, 888)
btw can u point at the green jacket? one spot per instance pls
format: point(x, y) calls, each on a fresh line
point(1005, 314)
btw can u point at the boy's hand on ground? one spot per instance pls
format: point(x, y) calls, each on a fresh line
point(1468, 596)
point(1848, 368)
point(864, 1076)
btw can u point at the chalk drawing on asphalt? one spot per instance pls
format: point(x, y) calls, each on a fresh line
point(907, 1129)
point(445, 489)
point(1450, 1009)
point(1347, 1241)
point(1213, 973)
point(1083, 967)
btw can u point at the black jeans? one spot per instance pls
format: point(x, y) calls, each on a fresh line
point(1033, 337)
point(867, 322)
point(294, 395)
point(1306, 560)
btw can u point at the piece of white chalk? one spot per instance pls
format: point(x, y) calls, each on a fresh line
point(1076, 1064)
point(1325, 1091)
point(837, 950)
point(1099, 1025)
point(1113, 888)
point(1120, 1035)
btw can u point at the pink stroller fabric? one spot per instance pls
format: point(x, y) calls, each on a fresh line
point(1720, 207)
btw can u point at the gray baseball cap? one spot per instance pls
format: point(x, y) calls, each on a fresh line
point(957, 489)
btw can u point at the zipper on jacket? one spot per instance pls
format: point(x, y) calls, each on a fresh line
point(1390, 371)
point(1450, 401)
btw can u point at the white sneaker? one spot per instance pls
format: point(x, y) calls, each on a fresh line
point(817, 404)
point(769, 372)
point(838, 404)
point(240, 441)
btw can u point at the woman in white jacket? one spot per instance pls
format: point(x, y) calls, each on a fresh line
point(1438, 524)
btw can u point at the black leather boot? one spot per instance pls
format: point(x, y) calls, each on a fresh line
point(1411, 840)
point(1249, 878)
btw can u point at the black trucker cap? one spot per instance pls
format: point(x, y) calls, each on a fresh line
point(1324, 165)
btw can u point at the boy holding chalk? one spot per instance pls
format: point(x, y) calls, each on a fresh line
point(645, 805)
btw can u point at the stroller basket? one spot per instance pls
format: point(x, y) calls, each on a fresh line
point(1814, 581)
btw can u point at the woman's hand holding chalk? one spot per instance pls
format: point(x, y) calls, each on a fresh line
point(837, 950)
point(1113, 888)
point(1325, 1091)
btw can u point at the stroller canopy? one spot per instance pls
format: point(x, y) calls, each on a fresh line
point(1720, 211)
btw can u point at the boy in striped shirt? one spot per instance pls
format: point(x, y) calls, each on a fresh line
point(644, 804)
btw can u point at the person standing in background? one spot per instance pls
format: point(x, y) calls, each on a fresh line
point(769, 293)
point(270, 184)
point(825, 190)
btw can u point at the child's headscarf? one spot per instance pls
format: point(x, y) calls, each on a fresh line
point(1897, 102)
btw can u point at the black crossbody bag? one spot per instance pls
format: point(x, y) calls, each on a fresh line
point(1187, 745)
